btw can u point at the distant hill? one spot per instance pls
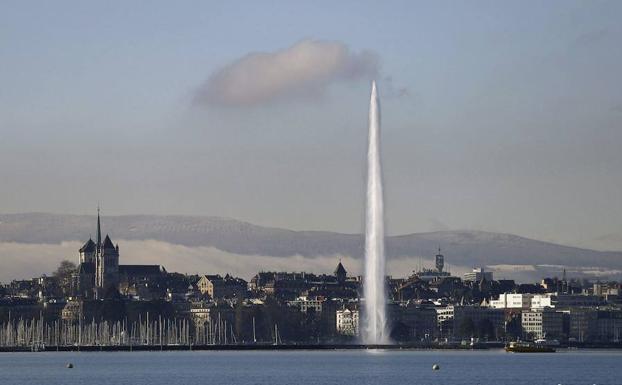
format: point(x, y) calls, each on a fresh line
point(462, 248)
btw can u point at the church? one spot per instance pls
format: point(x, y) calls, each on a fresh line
point(99, 275)
point(98, 269)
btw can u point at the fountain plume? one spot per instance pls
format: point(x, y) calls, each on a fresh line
point(375, 321)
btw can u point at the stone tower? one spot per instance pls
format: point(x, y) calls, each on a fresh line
point(106, 264)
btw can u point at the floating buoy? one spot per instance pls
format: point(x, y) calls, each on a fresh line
point(69, 365)
point(435, 367)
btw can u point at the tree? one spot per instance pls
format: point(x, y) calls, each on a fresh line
point(65, 270)
point(63, 275)
point(513, 327)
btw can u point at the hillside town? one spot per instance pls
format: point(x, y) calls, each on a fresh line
point(96, 301)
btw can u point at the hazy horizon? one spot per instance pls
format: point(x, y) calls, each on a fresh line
point(600, 244)
point(34, 244)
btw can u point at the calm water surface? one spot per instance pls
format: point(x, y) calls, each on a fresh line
point(313, 367)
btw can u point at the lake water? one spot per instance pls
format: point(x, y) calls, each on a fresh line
point(494, 367)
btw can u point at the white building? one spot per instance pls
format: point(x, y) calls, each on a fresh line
point(306, 303)
point(554, 300)
point(512, 301)
point(444, 314)
point(348, 322)
point(543, 301)
point(542, 324)
point(477, 274)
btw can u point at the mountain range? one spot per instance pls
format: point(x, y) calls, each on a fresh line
point(461, 248)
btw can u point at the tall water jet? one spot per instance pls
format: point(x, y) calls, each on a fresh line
point(375, 321)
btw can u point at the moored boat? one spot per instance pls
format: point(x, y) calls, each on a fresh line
point(528, 347)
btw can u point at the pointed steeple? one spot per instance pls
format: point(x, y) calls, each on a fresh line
point(340, 270)
point(88, 247)
point(340, 273)
point(108, 245)
point(99, 230)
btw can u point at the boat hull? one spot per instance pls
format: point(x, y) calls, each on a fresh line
point(530, 349)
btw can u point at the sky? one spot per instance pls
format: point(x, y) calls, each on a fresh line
point(496, 115)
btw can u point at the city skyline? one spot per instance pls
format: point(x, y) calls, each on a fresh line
point(389, 192)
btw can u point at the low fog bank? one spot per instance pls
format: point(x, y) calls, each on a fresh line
point(24, 261)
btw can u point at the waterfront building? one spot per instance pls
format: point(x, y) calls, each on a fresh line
point(478, 321)
point(412, 321)
point(444, 314)
point(347, 322)
point(445, 320)
point(543, 323)
point(609, 324)
point(595, 325)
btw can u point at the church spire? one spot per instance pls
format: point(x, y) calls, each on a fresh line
point(99, 231)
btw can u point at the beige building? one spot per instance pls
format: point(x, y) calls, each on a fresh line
point(218, 287)
point(306, 303)
point(348, 322)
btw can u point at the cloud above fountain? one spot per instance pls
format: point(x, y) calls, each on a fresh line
point(305, 69)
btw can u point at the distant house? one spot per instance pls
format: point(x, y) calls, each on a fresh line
point(305, 303)
point(291, 285)
point(142, 281)
point(218, 287)
point(71, 311)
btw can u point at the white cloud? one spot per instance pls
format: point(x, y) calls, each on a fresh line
point(23, 261)
point(304, 69)
point(26, 260)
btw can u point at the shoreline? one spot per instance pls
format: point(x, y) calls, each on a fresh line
point(284, 347)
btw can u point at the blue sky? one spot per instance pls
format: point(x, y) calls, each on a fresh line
point(510, 120)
